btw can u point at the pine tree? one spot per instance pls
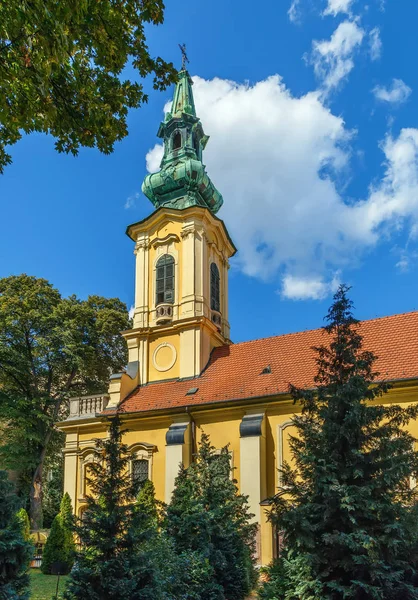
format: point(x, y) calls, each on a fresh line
point(113, 562)
point(209, 520)
point(15, 551)
point(60, 546)
point(347, 510)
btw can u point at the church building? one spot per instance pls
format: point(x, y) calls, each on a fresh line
point(184, 374)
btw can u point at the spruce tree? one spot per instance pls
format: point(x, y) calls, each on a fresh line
point(347, 511)
point(209, 520)
point(60, 546)
point(15, 551)
point(113, 562)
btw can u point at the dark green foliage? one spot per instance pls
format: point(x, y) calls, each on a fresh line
point(54, 482)
point(15, 551)
point(22, 517)
point(347, 512)
point(60, 545)
point(184, 576)
point(62, 68)
point(209, 522)
point(147, 504)
point(289, 578)
point(51, 348)
point(114, 561)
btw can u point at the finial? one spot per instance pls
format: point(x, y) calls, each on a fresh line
point(184, 57)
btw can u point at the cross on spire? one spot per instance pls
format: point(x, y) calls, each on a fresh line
point(184, 57)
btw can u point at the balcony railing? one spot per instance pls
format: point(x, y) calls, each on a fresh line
point(87, 406)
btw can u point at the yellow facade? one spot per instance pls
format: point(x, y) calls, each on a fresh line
point(256, 469)
point(173, 335)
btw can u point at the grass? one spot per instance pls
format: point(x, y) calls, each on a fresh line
point(43, 587)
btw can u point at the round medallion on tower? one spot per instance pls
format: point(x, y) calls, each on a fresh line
point(164, 357)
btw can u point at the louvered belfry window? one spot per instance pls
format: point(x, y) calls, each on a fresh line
point(165, 280)
point(139, 472)
point(215, 288)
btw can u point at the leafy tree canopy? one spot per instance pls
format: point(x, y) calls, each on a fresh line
point(51, 348)
point(61, 69)
point(347, 510)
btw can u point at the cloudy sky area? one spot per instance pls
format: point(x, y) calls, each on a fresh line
point(311, 110)
point(279, 159)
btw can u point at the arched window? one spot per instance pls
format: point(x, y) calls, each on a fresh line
point(165, 280)
point(215, 303)
point(177, 140)
point(140, 472)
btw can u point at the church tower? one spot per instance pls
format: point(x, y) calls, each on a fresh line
point(182, 251)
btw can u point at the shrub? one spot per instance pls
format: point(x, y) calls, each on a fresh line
point(60, 547)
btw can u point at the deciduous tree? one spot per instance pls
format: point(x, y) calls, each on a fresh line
point(51, 348)
point(63, 69)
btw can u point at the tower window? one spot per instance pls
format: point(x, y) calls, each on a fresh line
point(165, 280)
point(177, 140)
point(215, 303)
point(139, 472)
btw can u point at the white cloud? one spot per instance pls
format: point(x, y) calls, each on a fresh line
point(132, 312)
point(398, 93)
point(131, 200)
point(375, 44)
point(333, 59)
point(308, 288)
point(335, 7)
point(277, 159)
point(293, 12)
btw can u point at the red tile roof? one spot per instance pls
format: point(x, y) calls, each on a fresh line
point(234, 372)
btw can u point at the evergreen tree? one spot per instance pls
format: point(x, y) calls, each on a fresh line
point(113, 562)
point(209, 521)
point(53, 482)
point(15, 551)
point(347, 511)
point(146, 503)
point(60, 546)
point(23, 518)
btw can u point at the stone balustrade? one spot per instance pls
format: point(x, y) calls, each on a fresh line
point(87, 406)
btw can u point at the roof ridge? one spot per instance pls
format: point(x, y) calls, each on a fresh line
point(291, 333)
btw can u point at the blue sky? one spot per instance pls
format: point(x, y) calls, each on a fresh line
point(318, 166)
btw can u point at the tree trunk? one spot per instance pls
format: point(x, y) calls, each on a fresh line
point(36, 492)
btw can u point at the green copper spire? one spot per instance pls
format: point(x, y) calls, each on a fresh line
point(182, 180)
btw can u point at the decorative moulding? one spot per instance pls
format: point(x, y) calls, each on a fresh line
point(251, 425)
point(175, 434)
point(170, 364)
point(170, 238)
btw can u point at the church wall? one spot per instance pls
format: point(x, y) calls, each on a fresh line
point(163, 357)
point(223, 429)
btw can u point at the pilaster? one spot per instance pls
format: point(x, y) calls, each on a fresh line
point(177, 452)
point(70, 467)
point(253, 466)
